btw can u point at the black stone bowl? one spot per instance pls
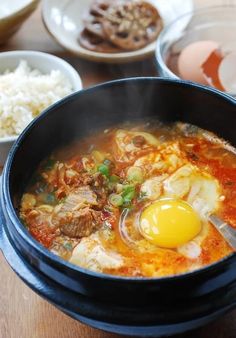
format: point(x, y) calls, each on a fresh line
point(133, 306)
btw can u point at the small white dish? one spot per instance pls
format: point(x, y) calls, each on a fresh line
point(43, 62)
point(64, 21)
point(13, 13)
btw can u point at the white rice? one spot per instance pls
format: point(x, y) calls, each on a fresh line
point(24, 93)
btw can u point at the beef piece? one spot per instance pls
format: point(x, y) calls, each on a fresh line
point(76, 217)
point(80, 197)
point(81, 223)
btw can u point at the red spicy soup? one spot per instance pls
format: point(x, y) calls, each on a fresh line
point(135, 200)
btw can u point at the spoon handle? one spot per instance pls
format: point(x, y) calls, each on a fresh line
point(225, 229)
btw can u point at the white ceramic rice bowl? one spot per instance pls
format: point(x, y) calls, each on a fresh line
point(45, 63)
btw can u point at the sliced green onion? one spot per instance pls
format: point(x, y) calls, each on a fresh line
point(135, 175)
point(128, 188)
point(128, 194)
point(116, 200)
point(103, 169)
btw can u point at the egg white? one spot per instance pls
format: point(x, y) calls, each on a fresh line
point(199, 189)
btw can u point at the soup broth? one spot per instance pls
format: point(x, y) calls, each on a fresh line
point(135, 200)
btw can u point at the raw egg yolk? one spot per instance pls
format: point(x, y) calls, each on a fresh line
point(169, 223)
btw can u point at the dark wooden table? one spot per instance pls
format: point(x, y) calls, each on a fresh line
point(23, 314)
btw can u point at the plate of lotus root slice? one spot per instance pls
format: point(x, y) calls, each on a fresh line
point(110, 30)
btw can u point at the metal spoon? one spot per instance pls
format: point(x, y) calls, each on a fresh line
point(225, 230)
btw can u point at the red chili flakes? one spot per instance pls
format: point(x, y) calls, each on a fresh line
point(43, 234)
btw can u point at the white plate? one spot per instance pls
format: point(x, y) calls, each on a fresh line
point(63, 20)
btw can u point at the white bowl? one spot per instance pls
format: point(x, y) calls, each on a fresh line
point(13, 13)
point(43, 62)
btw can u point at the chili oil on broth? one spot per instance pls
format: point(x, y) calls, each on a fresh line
point(86, 202)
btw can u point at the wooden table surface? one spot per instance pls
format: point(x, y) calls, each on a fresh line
point(23, 314)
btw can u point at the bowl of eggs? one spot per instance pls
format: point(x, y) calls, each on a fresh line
point(203, 51)
point(107, 213)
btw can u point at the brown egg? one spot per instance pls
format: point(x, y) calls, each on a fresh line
point(191, 59)
point(210, 69)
